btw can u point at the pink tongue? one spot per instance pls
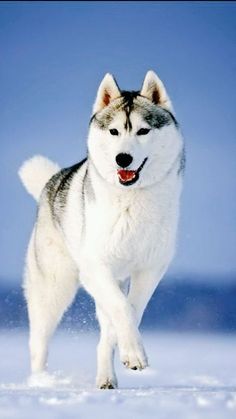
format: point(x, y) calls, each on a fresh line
point(126, 175)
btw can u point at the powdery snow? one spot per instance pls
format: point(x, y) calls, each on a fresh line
point(191, 377)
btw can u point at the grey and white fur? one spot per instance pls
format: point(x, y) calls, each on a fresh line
point(110, 217)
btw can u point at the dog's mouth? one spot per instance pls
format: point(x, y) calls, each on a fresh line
point(129, 177)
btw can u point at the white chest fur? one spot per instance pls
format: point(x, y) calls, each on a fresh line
point(125, 229)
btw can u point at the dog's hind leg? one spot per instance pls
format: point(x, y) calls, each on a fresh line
point(49, 290)
point(106, 377)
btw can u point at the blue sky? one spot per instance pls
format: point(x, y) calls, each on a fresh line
point(53, 56)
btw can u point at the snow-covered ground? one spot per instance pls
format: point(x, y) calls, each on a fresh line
point(190, 377)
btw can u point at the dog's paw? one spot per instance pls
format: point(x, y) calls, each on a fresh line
point(107, 383)
point(133, 356)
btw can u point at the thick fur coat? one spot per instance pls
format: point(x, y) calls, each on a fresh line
point(110, 217)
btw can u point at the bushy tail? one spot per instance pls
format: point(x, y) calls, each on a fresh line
point(35, 173)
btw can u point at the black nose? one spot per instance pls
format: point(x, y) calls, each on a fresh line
point(124, 160)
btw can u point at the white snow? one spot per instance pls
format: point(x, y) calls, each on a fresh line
point(190, 377)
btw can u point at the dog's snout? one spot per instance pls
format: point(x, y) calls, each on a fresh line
point(124, 160)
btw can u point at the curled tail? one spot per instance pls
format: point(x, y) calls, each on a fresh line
point(35, 172)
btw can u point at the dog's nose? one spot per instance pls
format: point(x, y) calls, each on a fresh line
point(124, 160)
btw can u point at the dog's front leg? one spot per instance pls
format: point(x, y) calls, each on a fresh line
point(106, 376)
point(115, 305)
point(142, 286)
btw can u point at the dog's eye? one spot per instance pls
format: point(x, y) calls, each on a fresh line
point(114, 131)
point(143, 131)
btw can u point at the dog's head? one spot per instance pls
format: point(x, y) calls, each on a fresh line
point(134, 139)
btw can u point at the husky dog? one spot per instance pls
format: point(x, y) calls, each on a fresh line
point(110, 217)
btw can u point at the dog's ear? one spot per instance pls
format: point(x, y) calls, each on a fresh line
point(107, 91)
point(154, 90)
